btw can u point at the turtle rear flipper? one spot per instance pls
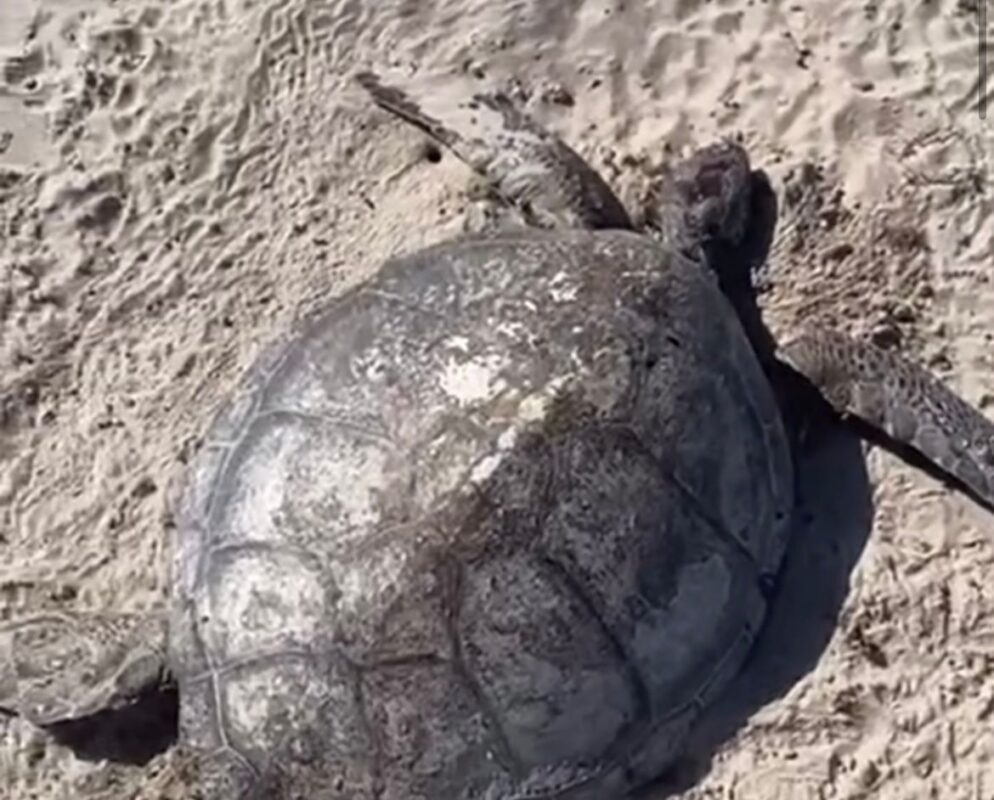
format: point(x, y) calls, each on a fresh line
point(529, 166)
point(57, 666)
point(902, 400)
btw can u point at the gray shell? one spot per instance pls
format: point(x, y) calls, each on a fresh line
point(493, 526)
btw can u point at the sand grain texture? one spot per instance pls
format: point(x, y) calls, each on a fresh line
point(179, 181)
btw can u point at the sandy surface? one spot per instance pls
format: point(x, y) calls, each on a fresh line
point(180, 181)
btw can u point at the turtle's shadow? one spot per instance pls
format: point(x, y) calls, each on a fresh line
point(133, 734)
point(833, 519)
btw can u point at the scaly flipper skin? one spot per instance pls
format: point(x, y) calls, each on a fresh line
point(58, 666)
point(903, 400)
point(531, 168)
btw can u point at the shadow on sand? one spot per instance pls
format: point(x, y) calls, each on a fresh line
point(833, 519)
point(133, 734)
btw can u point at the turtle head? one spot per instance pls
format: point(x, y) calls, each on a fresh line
point(715, 208)
point(705, 199)
point(714, 205)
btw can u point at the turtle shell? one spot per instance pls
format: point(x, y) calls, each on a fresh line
point(491, 525)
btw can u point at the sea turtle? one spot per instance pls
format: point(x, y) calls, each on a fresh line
point(498, 523)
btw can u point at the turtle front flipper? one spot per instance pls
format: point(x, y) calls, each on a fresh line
point(56, 667)
point(902, 400)
point(530, 167)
